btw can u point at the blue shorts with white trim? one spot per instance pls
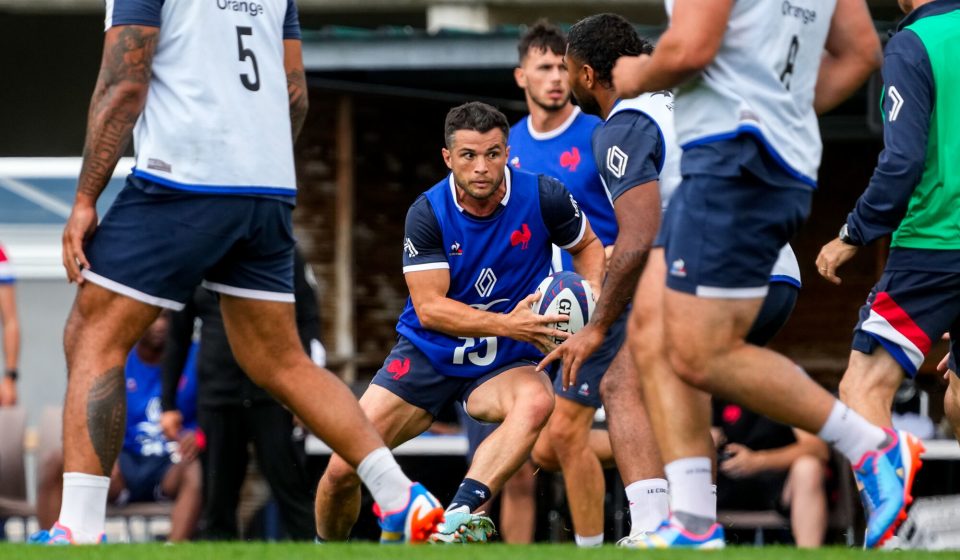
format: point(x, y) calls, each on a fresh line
point(722, 233)
point(156, 245)
point(408, 374)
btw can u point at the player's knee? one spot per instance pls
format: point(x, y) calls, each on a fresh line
point(807, 474)
point(544, 456)
point(339, 477)
point(566, 433)
point(537, 406)
point(689, 367)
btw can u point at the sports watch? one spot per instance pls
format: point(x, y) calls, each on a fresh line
point(844, 236)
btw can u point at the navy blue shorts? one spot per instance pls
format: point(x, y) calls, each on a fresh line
point(157, 245)
point(774, 313)
point(143, 475)
point(907, 312)
point(723, 233)
point(476, 432)
point(586, 390)
point(408, 374)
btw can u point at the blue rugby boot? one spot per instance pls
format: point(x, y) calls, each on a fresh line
point(885, 479)
point(413, 523)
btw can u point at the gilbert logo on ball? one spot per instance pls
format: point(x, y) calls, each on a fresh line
point(566, 293)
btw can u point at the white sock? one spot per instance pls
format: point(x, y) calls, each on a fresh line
point(649, 504)
point(690, 481)
point(84, 507)
point(850, 434)
point(381, 474)
point(713, 499)
point(588, 542)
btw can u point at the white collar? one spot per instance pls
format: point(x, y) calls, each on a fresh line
point(506, 197)
point(555, 132)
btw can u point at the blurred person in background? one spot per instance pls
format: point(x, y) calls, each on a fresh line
point(10, 326)
point(764, 465)
point(233, 412)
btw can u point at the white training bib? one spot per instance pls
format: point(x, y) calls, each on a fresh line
point(217, 116)
point(762, 81)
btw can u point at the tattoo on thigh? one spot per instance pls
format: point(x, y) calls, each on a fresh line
point(106, 416)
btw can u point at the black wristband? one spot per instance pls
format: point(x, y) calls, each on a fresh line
point(12, 374)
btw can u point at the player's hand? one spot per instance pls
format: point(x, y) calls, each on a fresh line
point(80, 225)
point(944, 368)
point(743, 461)
point(574, 352)
point(8, 392)
point(832, 256)
point(626, 75)
point(527, 326)
point(171, 423)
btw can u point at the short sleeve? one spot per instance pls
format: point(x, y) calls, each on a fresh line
point(6, 270)
point(291, 21)
point(629, 150)
point(561, 213)
point(133, 12)
point(422, 239)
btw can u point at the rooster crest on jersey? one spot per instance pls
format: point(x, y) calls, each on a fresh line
point(566, 293)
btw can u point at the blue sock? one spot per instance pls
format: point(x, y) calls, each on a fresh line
point(470, 494)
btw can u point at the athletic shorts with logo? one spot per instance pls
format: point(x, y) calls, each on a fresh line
point(907, 312)
point(408, 374)
point(156, 244)
point(727, 221)
point(586, 389)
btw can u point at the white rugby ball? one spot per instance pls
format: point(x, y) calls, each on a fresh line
point(566, 293)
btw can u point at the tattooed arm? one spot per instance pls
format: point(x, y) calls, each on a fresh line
point(296, 84)
point(117, 102)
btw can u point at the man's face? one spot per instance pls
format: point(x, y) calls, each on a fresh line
point(543, 76)
point(578, 77)
point(477, 160)
point(906, 6)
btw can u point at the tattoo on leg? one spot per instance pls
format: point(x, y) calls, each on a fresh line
point(106, 416)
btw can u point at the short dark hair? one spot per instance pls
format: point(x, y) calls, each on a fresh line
point(542, 36)
point(601, 39)
point(474, 116)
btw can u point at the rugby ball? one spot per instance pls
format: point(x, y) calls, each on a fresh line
point(565, 293)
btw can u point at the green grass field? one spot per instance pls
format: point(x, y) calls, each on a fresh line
point(245, 551)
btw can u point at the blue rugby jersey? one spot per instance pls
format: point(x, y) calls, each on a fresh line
point(494, 262)
point(565, 153)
